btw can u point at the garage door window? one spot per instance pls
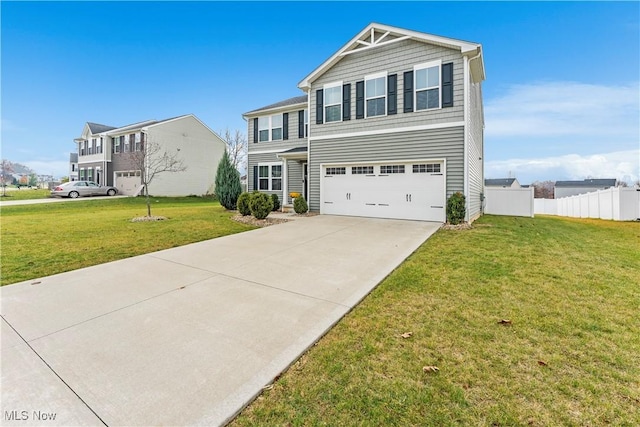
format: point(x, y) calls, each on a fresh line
point(362, 170)
point(392, 169)
point(336, 171)
point(427, 168)
point(270, 177)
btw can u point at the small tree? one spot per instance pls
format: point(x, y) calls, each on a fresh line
point(455, 208)
point(228, 186)
point(153, 160)
point(5, 175)
point(33, 180)
point(236, 147)
point(260, 205)
point(276, 202)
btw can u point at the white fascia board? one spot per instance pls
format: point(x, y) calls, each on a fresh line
point(269, 111)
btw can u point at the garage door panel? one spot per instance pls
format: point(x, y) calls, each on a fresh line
point(395, 190)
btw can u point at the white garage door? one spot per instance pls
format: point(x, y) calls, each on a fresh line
point(128, 183)
point(405, 190)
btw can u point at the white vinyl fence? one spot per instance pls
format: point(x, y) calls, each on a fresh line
point(509, 201)
point(618, 204)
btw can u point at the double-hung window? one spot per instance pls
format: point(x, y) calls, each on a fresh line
point(99, 146)
point(376, 94)
point(138, 141)
point(333, 102)
point(427, 84)
point(276, 127)
point(263, 129)
point(270, 176)
point(306, 123)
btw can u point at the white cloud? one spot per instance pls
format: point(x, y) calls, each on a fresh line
point(622, 165)
point(553, 109)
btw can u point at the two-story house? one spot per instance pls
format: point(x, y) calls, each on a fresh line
point(390, 126)
point(106, 155)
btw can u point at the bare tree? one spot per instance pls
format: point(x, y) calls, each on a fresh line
point(236, 147)
point(621, 183)
point(7, 170)
point(544, 189)
point(153, 160)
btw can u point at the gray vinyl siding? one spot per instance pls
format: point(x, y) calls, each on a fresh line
point(475, 141)
point(283, 145)
point(294, 178)
point(447, 143)
point(395, 58)
point(254, 160)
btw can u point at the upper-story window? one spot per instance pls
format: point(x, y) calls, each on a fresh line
point(276, 127)
point(306, 123)
point(270, 128)
point(126, 144)
point(427, 86)
point(99, 146)
point(333, 102)
point(376, 94)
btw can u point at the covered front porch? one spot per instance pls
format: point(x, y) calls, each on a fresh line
point(295, 171)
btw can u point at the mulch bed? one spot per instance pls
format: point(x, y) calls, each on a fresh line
point(258, 222)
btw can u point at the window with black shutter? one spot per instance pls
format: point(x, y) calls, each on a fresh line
point(285, 125)
point(301, 124)
point(255, 130)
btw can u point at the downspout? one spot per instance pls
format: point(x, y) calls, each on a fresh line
point(467, 107)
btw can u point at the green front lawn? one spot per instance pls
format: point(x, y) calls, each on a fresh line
point(44, 239)
point(567, 353)
point(23, 194)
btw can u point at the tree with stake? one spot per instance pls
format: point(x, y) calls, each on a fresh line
point(152, 160)
point(228, 186)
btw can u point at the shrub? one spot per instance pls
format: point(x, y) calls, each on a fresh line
point(260, 205)
point(300, 205)
point(455, 208)
point(228, 186)
point(243, 204)
point(276, 202)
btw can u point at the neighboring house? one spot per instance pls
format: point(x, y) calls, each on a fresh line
point(503, 183)
point(392, 124)
point(571, 188)
point(73, 166)
point(105, 155)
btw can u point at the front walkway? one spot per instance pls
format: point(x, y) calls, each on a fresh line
point(190, 335)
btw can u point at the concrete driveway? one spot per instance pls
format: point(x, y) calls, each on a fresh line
point(190, 335)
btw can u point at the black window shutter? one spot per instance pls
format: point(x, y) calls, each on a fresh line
point(319, 106)
point(408, 91)
point(301, 124)
point(255, 130)
point(255, 178)
point(285, 125)
point(447, 85)
point(392, 94)
point(346, 102)
point(360, 100)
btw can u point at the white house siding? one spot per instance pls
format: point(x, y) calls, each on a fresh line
point(395, 58)
point(200, 150)
point(446, 143)
point(475, 151)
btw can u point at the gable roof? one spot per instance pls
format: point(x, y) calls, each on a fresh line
point(281, 104)
point(366, 39)
point(499, 182)
point(607, 182)
point(96, 128)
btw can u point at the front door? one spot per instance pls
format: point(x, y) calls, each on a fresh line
point(304, 180)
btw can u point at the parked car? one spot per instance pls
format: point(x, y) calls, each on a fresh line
point(76, 189)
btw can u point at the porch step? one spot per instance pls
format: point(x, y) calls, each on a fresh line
point(287, 208)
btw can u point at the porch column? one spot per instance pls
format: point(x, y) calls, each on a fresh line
point(284, 184)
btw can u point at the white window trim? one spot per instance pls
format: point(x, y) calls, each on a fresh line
point(324, 101)
point(372, 77)
point(270, 128)
point(271, 177)
point(422, 66)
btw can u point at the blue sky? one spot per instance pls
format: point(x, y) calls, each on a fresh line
point(561, 96)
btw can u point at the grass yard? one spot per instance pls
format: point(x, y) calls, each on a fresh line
point(44, 239)
point(24, 194)
point(570, 355)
